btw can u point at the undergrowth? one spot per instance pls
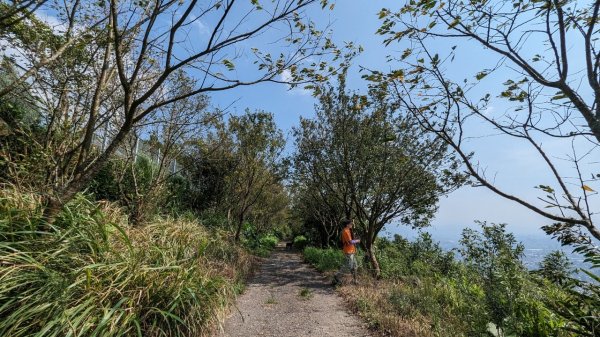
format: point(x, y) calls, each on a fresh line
point(426, 292)
point(324, 259)
point(90, 274)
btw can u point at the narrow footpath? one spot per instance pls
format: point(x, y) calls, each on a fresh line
point(287, 298)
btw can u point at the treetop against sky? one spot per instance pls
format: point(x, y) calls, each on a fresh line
point(511, 164)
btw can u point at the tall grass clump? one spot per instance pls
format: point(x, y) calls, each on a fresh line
point(324, 259)
point(90, 274)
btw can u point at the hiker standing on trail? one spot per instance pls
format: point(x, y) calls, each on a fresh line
point(349, 248)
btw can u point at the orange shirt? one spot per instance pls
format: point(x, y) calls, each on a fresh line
point(346, 237)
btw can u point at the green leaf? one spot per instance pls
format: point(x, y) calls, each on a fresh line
point(558, 96)
point(383, 13)
point(229, 64)
point(480, 75)
point(454, 23)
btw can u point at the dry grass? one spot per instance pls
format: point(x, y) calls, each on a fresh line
point(305, 293)
point(370, 299)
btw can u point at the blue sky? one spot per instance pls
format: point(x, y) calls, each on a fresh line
point(515, 167)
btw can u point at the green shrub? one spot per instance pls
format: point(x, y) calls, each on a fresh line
point(533, 318)
point(105, 185)
point(213, 220)
point(300, 242)
point(282, 232)
point(556, 267)
point(261, 251)
point(89, 274)
point(137, 186)
point(422, 257)
point(579, 304)
point(269, 241)
point(177, 193)
point(324, 259)
point(258, 243)
point(392, 257)
point(495, 256)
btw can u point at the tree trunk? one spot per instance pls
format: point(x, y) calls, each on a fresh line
point(137, 212)
point(52, 207)
point(238, 231)
point(56, 201)
point(376, 270)
point(323, 235)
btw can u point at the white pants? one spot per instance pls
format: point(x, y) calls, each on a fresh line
point(349, 265)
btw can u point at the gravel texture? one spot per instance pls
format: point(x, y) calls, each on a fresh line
point(287, 298)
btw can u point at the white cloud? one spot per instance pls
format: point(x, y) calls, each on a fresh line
point(286, 76)
point(201, 28)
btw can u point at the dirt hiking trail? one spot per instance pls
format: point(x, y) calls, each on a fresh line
point(287, 298)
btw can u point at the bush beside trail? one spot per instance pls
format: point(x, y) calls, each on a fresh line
point(425, 291)
point(90, 274)
point(324, 259)
point(300, 242)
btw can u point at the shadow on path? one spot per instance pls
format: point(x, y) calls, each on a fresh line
point(287, 268)
point(288, 298)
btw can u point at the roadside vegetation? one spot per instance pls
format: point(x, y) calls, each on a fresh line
point(481, 289)
point(129, 206)
point(161, 236)
point(141, 250)
point(90, 273)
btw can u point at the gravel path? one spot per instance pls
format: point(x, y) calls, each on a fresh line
point(287, 298)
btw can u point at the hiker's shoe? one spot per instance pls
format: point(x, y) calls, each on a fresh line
point(335, 281)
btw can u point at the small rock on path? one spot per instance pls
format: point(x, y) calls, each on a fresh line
point(287, 298)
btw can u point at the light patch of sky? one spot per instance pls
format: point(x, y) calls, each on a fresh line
point(513, 164)
point(286, 76)
point(200, 26)
point(6, 49)
point(53, 22)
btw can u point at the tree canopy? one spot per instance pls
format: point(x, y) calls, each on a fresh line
point(372, 159)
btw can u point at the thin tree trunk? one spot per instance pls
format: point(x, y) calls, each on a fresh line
point(376, 270)
point(52, 207)
point(324, 236)
point(239, 227)
point(84, 174)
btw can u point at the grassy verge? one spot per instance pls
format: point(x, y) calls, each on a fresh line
point(90, 274)
point(442, 297)
point(426, 309)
